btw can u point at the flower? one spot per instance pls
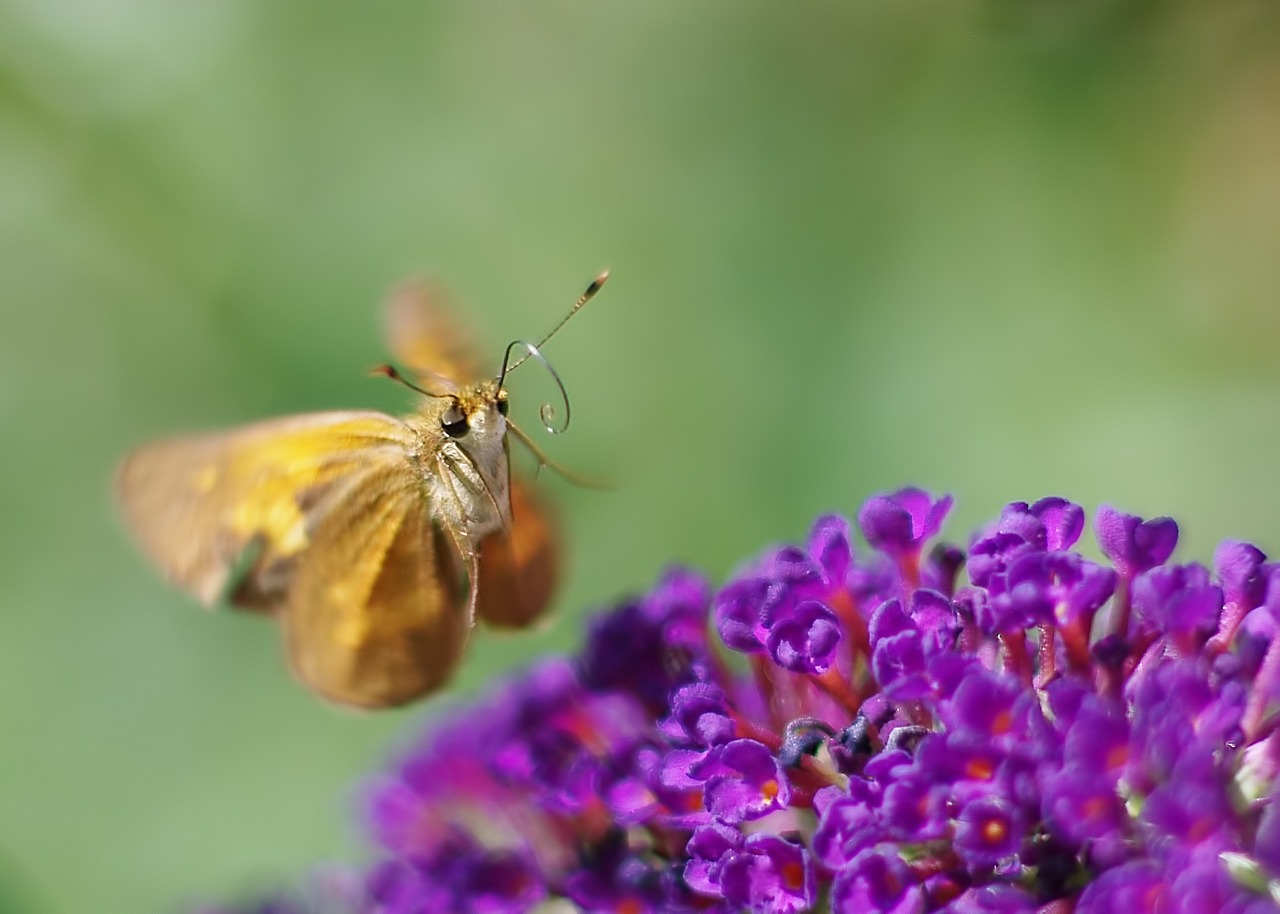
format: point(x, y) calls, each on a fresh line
point(1014, 727)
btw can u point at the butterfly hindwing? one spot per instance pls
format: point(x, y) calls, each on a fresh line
point(519, 566)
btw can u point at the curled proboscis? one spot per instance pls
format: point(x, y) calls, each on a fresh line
point(547, 412)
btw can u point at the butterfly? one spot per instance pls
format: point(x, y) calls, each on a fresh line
point(374, 541)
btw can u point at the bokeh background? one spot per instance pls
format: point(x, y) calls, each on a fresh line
point(1001, 249)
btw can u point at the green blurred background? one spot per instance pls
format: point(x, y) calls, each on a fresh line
point(999, 249)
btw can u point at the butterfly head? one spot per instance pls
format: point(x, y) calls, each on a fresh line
point(477, 411)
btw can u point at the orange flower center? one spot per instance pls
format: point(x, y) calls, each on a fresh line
point(980, 769)
point(994, 831)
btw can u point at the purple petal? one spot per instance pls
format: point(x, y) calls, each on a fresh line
point(806, 640)
point(1132, 544)
point(1063, 522)
point(899, 523)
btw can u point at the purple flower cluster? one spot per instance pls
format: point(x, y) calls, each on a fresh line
point(866, 733)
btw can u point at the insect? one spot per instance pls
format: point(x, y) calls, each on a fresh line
point(374, 541)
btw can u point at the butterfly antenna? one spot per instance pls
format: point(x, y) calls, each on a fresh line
point(596, 285)
point(390, 371)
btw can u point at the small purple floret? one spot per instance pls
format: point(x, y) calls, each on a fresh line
point(769, 875)
point(900, 523)
point(1134, 545)
point(743, 781)
point(805, 640)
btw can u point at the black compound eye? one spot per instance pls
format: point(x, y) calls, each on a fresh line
point(454, 422)
point(502, 406)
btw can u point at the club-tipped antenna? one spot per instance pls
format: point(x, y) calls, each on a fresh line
point(585, 297)
point(547, 411)
point(390, 371)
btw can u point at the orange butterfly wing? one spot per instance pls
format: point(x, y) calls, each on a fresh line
point(199, 506)
point(375, 615)
point(422, 331)
point(519, 567)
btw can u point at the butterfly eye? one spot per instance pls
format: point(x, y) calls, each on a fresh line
point(454, 422)
point(502, 406)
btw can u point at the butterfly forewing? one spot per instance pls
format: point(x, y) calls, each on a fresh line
point(423, 332)
point(203, 505)
point(374, 613)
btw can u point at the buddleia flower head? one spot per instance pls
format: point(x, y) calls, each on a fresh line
point(903, 727)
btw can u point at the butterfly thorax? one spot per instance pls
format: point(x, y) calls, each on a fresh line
point(463, 462)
